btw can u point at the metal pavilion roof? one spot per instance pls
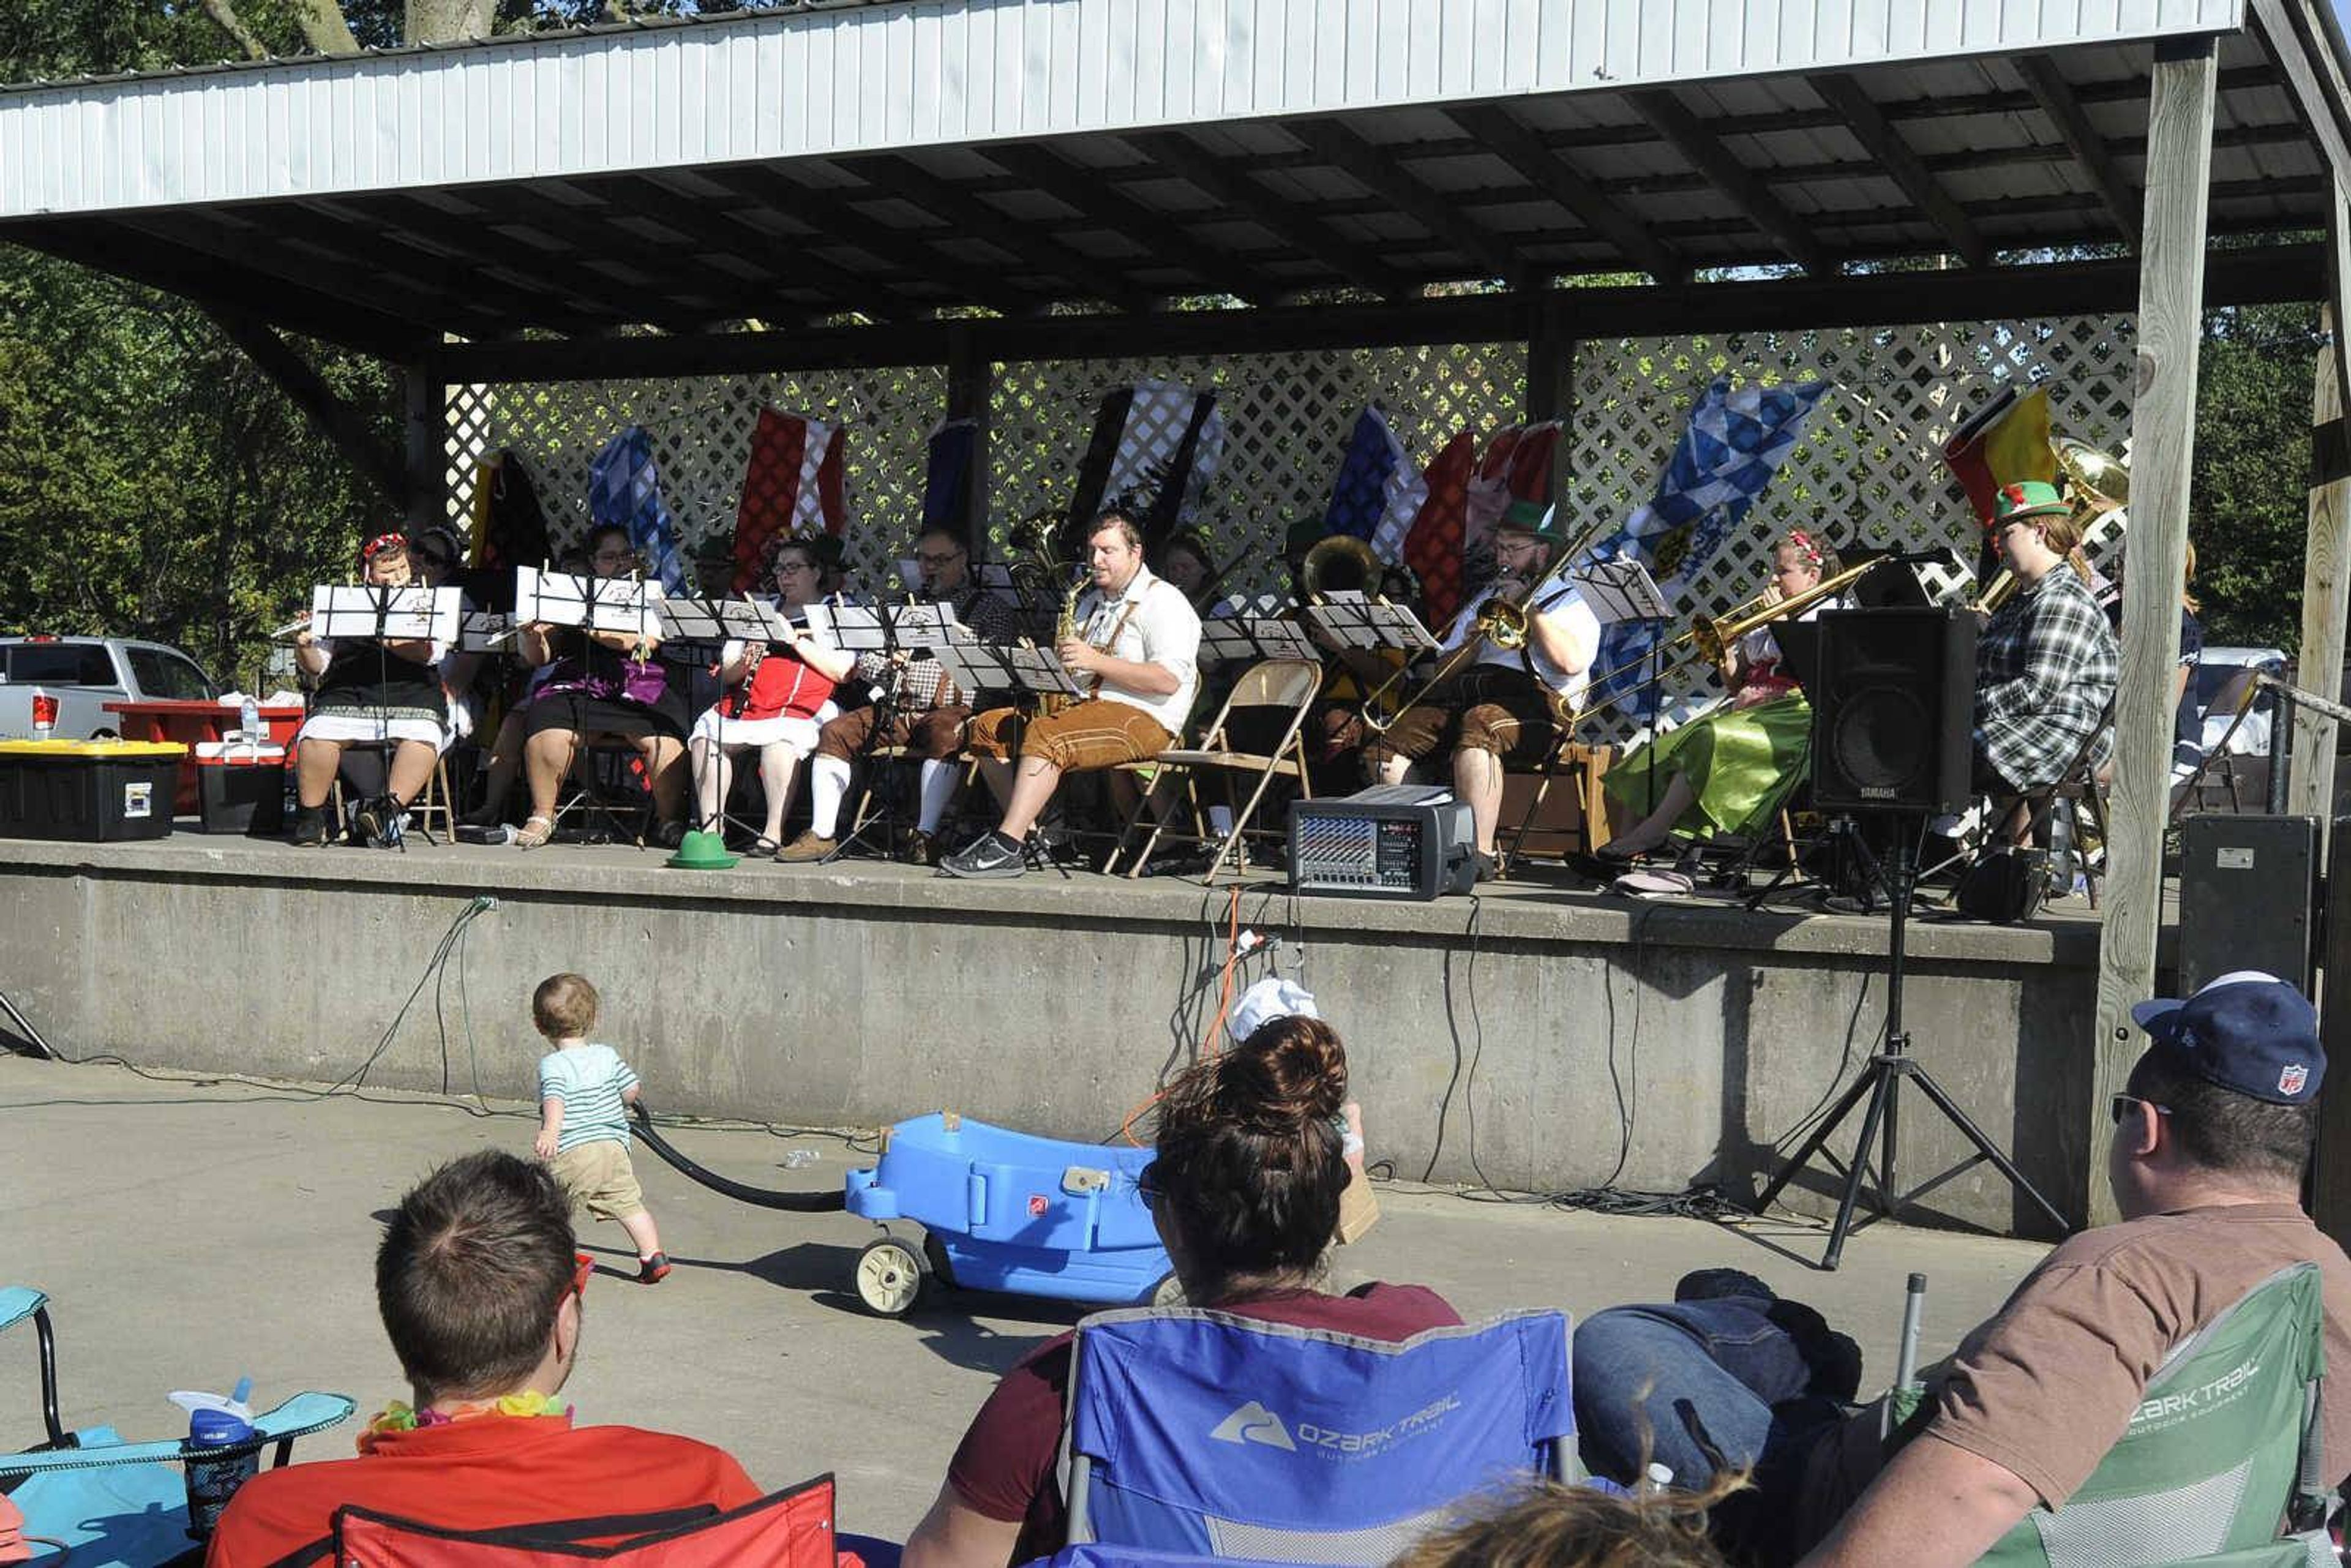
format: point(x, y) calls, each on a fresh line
point(894, 159)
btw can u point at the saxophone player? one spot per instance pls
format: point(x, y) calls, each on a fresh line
point(1136, 647)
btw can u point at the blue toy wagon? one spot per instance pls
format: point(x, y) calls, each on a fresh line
point(1005, 1211)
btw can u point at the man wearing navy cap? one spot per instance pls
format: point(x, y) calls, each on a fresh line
point(2206, 1166)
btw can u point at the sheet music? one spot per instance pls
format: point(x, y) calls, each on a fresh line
point(1257, 637)
point(483, 630)
point(974, 666)
point(629, 605)
point(924, 625)
point(1345, 616)
point(1399, 628)
point(1042, 670)
point(694, 620)
point(1620, 590)
point(340, 611)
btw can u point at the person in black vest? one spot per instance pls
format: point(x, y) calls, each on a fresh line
point(369, 692)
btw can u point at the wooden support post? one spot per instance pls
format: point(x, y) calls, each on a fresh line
point(2326, 563)
point(971, 386)
point(423, 426)
point(2163, 442)
point(1550, 382)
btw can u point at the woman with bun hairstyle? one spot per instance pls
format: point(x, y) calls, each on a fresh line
point(1251, 1161)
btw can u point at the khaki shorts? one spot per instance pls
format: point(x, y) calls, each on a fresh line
point(599, 1179)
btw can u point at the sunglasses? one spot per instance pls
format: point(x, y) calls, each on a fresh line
point(583, 1269)
point(2120, 1106)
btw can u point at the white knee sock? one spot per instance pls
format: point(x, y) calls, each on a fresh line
point(939, 781)
point(828, 787)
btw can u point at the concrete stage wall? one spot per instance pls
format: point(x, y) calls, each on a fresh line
point(1491, 1040)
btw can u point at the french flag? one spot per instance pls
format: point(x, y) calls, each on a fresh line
point(793, 486)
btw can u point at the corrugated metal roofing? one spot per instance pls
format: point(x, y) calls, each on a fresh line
point(888, 159)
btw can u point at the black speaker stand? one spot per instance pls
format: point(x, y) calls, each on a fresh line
point(1882, 1082)
point(1852, 865)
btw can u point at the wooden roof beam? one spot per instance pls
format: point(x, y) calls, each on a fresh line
point(715, 230)
point(1901, 162)
point(1085, 191)
point(2050, 90)
point(1186, 160)
point(256, 253)
point(591, 231)
point(909, 250)
point(1731, 179)
point(509, 307)
point(1374, 168)
point(476, 242)
point(1509, 140)
point(903, 178)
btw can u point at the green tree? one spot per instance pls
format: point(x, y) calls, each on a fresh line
point(2248, 501)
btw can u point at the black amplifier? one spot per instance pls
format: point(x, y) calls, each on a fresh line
point(1392, 840)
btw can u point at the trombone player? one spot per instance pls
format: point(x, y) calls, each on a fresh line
point(1508, 704)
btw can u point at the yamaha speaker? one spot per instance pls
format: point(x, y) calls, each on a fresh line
point(1892, 709)
point(2248, 897)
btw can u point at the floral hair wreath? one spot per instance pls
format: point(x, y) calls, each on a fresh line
point(396, 543)
point(1806, 546)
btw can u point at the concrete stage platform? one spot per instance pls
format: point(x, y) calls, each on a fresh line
point(1540, 1036)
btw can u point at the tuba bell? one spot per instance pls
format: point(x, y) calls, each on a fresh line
point(2097, 483)
point(1339, 564)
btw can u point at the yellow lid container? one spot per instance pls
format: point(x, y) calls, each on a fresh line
point(97, 750)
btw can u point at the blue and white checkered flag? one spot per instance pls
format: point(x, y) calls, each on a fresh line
point(1735, 443)
point(624, 490)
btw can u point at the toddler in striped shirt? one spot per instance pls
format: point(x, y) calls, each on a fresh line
point(584, 1093)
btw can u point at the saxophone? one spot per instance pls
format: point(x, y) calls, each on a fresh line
point(1065, 629)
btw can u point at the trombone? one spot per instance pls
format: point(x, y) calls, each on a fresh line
point(1501, 619)
point(1715, 635)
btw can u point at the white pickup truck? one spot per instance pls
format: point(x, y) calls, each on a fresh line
point(84, 673)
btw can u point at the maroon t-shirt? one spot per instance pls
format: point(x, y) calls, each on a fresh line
point(1004, 1466)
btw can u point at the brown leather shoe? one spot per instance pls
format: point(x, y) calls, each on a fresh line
point(807, 847)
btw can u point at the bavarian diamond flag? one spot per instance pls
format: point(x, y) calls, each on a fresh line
point(1735, 443)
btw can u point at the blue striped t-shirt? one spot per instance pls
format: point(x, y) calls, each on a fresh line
point(590, 1079)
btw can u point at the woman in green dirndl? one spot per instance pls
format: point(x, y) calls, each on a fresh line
point(1717, 773)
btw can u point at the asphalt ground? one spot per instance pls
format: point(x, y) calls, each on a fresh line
point(190, 1232)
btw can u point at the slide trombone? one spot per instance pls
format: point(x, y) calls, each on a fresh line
point(1715, 637)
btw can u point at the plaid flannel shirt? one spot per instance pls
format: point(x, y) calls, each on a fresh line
point(2045, 677)
point(979, 615)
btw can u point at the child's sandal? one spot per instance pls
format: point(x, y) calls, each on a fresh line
point(535, 832)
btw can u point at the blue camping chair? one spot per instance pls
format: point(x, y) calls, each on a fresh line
point(111, 1502)
point(1203, 1432)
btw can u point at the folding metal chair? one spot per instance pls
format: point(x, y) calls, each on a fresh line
point(1199, 1431)
point(1269, 693)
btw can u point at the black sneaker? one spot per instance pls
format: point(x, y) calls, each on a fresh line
point(310, 830)
point(1489, 868)
point(652, 1270)
point(994, 855)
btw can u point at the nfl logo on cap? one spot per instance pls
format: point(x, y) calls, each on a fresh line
point(2292, 1079)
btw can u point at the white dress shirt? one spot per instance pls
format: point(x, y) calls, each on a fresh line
point(1562, 601)
point(1163, 629)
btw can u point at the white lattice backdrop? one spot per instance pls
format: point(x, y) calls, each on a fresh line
point(700, 428)
point(1287, 417)
point(1869, 463)
point(1869, 470)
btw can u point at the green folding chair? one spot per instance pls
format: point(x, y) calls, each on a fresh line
point(2219, 1466)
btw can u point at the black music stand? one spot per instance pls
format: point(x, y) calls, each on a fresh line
point(378, 613)
point(1889, 1067)
point(887, 629)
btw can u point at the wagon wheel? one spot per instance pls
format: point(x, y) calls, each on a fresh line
point(1168, 1291)
point(935, 1253)
point(890, 1277)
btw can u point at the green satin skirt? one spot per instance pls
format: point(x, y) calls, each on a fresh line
point(1738, 762)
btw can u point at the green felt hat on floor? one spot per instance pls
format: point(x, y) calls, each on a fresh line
point(703, 850)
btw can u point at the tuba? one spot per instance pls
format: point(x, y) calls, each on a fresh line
point(2097, 483)
point(1339, 564)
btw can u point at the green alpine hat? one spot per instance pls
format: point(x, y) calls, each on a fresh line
point(703, 850)
point(1531, 517)
point(2026, 498)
